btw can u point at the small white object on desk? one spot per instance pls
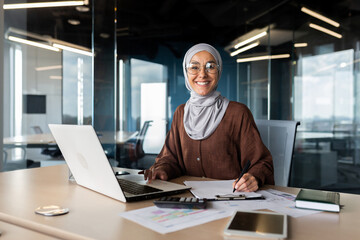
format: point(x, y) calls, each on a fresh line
point(51, 210)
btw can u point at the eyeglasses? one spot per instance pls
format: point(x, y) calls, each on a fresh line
point(194, 68)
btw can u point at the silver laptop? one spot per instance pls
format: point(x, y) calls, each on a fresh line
point(90, 167)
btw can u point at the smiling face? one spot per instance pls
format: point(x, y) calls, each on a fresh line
point(203, 82)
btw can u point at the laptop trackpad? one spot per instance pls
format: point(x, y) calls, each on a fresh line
point(133, 177)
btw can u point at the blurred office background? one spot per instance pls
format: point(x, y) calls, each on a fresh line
point(116, 64)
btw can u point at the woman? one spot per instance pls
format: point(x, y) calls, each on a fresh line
point(211, 136)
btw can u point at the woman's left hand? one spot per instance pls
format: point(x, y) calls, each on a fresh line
point(247, 183)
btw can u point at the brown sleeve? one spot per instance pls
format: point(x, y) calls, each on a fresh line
point(168, 158)
point(252, 148)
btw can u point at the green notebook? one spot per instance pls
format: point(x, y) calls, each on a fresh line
point(318, 200)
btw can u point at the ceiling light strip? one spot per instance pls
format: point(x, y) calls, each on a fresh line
point(46, 68)
point(74, 50)
point(262, 34)
point(319, 16)
point(44, 4)
point(55, 77)
point(32, 43)
point(298, 45)
point(240, 50)
point(265, 57)
point(325, 30)
point(279, 56)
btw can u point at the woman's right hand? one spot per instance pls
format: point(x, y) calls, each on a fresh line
point(152, 174)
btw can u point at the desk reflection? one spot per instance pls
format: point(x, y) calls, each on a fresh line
point(20, 152)
point(46, 139)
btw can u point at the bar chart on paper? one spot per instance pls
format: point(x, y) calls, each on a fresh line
point(165, 220)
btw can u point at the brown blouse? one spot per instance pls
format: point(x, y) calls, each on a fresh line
point(220, 156)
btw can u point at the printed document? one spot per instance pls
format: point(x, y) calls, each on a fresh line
point(276, 201)
point(209, 189)
point(166, 220)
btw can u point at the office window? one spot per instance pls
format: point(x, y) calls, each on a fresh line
point(153, 107)
point(325, 91)
point(77, 93)
point(326, 103)
point(149, 101)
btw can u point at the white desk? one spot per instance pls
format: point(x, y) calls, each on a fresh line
point(11, 232)
point(95, 216)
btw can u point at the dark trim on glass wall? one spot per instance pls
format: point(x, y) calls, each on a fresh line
point(1, 78)
point(104, 66)
point(104, 71)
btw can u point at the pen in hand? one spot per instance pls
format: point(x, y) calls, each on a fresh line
point(245, 169)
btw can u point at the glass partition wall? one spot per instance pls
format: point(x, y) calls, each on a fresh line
point(326, 102)
point(287, 66)
point(50, 77)
point(279, 58)
point(317, 84)
point(2, 156)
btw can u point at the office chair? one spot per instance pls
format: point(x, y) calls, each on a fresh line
point(53, 152)
point(133, 148)
point(279, 137)
point(5, 156)
point(22, 163)
point(344, 142)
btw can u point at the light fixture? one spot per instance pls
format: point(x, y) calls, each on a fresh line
point(46, 68)
point(240, 50)
point(74, 22)
point(72, 49)
point(299, 45)
point(319, 16)
point(21, 36)
point(82, 8)
point(45, 4)
point(257, 36)
point(343, 64)
point(325, 30)
point(259, 58)
point(104, 35)
point(53, 77)
point(32, 43)
point(251, 36)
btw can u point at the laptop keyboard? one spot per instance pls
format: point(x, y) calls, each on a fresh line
point(135, 188)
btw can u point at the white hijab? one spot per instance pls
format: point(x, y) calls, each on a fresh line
point(203, 114)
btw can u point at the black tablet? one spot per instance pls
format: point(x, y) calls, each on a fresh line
point(257, 224)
